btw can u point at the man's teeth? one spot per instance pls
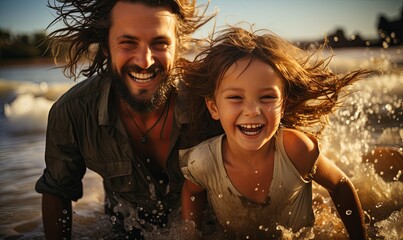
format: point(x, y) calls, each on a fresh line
point(142, 76)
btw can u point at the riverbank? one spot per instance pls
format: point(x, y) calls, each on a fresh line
point(25, 61)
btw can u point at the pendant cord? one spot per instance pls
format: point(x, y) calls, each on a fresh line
point(166, 116)
point(144, 134)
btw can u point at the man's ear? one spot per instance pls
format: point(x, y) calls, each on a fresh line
point(105, 51)
point(212, 108)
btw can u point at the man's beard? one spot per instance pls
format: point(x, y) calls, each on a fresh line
point(150, 104)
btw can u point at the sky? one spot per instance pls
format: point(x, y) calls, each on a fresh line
point(291, 19)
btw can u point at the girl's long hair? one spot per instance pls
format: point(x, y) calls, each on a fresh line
point(311, 89)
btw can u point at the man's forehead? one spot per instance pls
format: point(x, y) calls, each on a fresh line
point(137, 13)
point(172, 6)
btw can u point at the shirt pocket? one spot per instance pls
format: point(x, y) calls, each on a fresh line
point(118, 175)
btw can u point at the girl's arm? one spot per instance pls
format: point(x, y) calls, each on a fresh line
point(193, 202)
point(300, 146)
point(344, 196)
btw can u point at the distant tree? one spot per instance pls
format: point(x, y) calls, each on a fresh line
point(22, 46)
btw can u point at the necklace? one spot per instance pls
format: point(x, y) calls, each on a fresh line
point(143, 138)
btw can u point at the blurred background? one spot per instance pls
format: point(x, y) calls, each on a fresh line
point(364, 137)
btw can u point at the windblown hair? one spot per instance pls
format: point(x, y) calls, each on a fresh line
point(86, 26)
point(311, 89)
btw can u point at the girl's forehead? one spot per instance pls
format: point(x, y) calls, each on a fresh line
point(241, 65)
point(249, 66)
point(251, 71)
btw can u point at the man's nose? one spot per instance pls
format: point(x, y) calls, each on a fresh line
point(144, 58)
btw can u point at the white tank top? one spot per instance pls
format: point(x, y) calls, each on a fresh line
point(289, 201)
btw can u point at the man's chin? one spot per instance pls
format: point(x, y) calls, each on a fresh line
point(149, 97)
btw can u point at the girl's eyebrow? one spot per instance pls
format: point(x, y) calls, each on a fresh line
point(271, 88)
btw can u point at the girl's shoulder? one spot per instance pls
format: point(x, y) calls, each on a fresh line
point(301, 149)
point(202, 152)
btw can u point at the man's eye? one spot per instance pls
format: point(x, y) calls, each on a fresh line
point(161, 45)
point(128, 44)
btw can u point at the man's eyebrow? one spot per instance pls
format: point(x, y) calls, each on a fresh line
point(131, 37)
point(162, 38)
point(128, 37)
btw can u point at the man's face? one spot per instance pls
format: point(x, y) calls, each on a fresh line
point(142, 44)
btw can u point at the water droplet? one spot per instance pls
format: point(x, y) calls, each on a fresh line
point(192, 198)
point(349, 212)
point(378, 205)
point(256, 189)
point(228, 222)
point(113, 218)
point(220, 195)
point(261, 227)
point(388, 107)
point(65, 211)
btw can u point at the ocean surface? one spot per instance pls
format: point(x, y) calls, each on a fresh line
point(364, 139)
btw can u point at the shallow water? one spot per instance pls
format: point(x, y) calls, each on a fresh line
point(372, 118)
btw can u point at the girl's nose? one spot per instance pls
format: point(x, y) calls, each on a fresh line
point(252, 109)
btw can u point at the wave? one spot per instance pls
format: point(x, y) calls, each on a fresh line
point(25, 105)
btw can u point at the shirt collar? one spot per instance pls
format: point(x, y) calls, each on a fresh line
point(103, 116)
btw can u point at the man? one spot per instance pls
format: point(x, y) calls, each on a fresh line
point(124, 121)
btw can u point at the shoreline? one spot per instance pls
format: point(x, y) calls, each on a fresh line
point(28, 62)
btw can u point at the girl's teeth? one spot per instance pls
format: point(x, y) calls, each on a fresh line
point(251, 125)
point(250, 129)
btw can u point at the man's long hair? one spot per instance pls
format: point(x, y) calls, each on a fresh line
point(83, 39)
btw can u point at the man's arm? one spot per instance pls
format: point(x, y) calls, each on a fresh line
point(56, 216)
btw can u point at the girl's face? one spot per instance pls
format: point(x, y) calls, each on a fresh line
point(248, 103)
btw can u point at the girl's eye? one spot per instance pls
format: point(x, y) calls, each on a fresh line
point(234, 97)
point(268, 97)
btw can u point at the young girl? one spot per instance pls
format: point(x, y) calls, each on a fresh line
point(269, 103)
